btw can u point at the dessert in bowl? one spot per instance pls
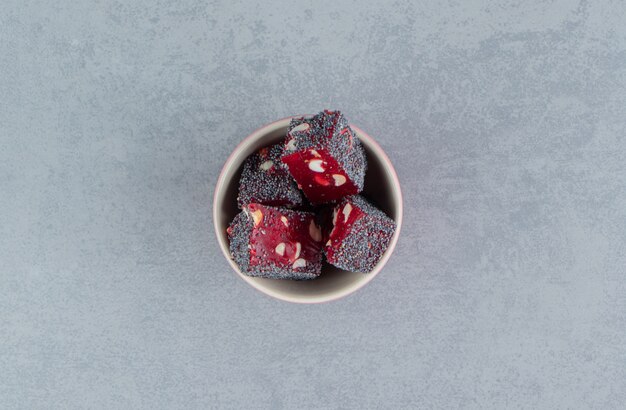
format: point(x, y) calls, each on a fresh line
point(309, 198)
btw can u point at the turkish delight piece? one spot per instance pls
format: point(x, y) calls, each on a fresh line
point(359, 235)
point(276, 243)
point(325, 157)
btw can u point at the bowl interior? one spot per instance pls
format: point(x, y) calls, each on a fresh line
point(381, 188)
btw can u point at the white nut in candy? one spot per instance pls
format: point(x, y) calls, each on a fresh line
point(291, 145)
point(280, 249)
point(298, 249)
point(283, 219)
point(339, 179)
point(346, 212)
point(300, 127)
point(315, 153)
point(257, 217)
point(315, 165)
point(299, 263)
point(266, 165)
point(315, 232)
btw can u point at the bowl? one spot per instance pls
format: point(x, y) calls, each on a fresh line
point(382, 188)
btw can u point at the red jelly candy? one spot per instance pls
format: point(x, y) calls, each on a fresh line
point(324, 157)
point(276, 243)
point(359, 235)
point(265, 180)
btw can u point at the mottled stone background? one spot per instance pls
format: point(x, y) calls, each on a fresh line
point(507, 125)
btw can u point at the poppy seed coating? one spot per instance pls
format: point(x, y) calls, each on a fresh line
point(265, 180)
point(239, 237)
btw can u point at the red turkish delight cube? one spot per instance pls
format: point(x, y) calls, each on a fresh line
point(265, 180)
point(325, 157)
point(359, 235)
point(276, 243)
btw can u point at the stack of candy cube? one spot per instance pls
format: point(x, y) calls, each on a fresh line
point(300, 204)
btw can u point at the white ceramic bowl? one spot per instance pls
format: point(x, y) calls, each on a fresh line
point(381, 187)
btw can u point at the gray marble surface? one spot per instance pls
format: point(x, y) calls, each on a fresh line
point(506, 122)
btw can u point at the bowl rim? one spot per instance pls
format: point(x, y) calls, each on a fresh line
point(335, 295)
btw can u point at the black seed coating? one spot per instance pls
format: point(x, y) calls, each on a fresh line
point(333, 123)
point(239, 236)
point(367, 239)
point(367, 207)
point(276, 272)
point(273, 186)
